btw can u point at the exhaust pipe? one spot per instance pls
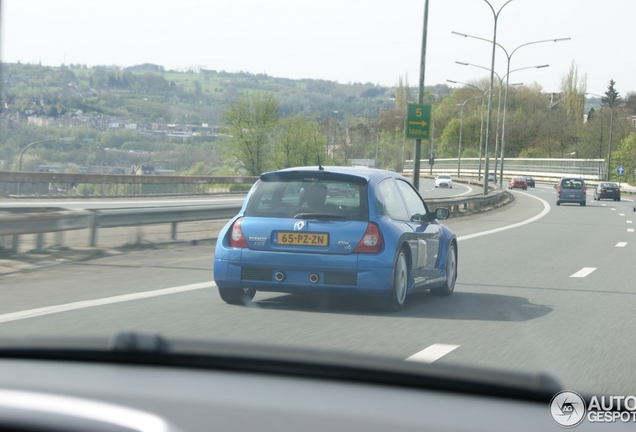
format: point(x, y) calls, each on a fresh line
point(314, 278)
point(279, 276)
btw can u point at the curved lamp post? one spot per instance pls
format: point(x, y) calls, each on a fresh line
point(509, 57)
point(609, 145)
point(433, 130)
point(65, 139)
point(499, 107)
point(492, 79)
point(481, 128)
point(461, 126)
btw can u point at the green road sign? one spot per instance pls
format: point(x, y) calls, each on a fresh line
point(418, 121)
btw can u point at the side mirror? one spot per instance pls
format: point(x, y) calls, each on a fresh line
point(442, 213)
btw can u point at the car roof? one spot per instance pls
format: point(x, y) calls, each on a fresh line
point(361, 172)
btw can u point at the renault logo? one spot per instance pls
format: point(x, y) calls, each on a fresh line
point(298, 226)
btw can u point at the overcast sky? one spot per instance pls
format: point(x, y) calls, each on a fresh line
point(342, 40)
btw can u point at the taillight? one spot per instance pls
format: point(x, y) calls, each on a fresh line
point(601, 190)
point(559, 189)
point(238, 239)
point(371, 240)
point(584, 190)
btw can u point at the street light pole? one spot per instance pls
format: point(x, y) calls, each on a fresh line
point(481, 128)
point(433, 129)
point(492, 79)
point(65, 139)
point(609, 144)
point(499, 107)
point(461, 126)
point(509, 57)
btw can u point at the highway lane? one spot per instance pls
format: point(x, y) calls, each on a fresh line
point(516, 306)
point(427, 187)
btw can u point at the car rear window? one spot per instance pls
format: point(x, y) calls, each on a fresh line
point(609, 185)
point(572, 184)
point(287, 198)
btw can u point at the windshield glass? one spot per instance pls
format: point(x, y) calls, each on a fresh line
point(134, 136)
point(572, 183)
point(288, 198)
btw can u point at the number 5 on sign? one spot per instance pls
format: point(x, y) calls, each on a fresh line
point(418, 120)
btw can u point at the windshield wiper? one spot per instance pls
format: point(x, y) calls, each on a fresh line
point(319, 216)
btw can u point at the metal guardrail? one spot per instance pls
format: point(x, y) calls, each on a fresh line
point(16, 224)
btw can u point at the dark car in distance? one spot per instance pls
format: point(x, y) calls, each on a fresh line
point(607, 191)
point(529, 181)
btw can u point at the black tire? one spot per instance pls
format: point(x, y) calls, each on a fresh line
point(451, 273)
point(583, 204)
point(237, 296)
point(558, 203)
point(525, 188)
point(399, 284)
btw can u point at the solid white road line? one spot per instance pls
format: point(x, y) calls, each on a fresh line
point(583, 272)
point(32, 313)
point(131, 201)
point(545, 211)
point(464, 193)
point(621, 244)
point(432, 353)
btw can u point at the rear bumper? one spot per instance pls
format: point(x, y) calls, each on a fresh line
point(610, 195)
point(565, 199)
point(339, 274)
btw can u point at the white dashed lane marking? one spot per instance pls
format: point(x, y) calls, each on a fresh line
point(432, 353)
point(621, 214)
point(630, 229)
point(583, 272)
point(621, 244)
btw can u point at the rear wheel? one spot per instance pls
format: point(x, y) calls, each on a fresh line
point(237, 296)
point(558, 203)
point(583, 203)
point(400, 284)
point(451, 273)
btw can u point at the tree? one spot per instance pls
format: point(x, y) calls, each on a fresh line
point(574, 89)
point(298, 142)
point(626, 156)
point(250, 121)
point(402, 93)
point(612, 98)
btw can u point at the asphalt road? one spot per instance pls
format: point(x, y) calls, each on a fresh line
point(540, 288)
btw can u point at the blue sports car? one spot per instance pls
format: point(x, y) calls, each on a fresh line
point(336, 230)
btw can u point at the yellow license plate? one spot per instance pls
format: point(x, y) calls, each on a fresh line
point(303, 239)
